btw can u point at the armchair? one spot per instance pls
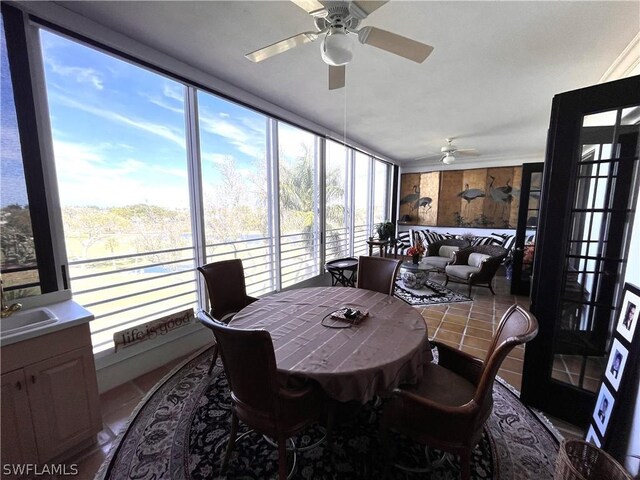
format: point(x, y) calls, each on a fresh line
point(439, 253)
point(227, 292)
point(475, 265)
point(259, 400)
point(448, 408)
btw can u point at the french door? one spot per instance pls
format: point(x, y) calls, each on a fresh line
point(590, 187)
point(528, 213)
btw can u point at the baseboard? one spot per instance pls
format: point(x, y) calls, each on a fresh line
point(114, 373)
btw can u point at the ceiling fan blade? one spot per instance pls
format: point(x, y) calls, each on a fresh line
point(364, 8)
point(472, 152)
point(430, 157)
point(394, 43)
point(336, 77)
point(312, 7)
point(281, 46)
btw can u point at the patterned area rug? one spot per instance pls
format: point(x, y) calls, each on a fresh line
point(180, 432)
point(431, 293)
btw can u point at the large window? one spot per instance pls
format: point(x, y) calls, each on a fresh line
point(362, 202)
point(337, 209)
point(381, 187)
point(147, 194)
point(119, 143)
point(235, 189)
point(299, 204)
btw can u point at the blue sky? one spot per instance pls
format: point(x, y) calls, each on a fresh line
point(119, 133)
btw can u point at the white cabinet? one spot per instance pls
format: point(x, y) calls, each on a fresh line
point(50, 403)
point(18, 444)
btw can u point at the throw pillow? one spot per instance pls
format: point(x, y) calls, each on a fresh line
point(447, 251)
point(476, 259)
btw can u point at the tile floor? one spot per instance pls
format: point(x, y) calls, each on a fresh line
point(468, 326)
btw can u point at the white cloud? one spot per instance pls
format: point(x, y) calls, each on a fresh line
point(163, 131)
point(88, 175)
point(174, 172)
point(172, 98)
point(175, 92)
point(292, 141)
point(80, 74)
point(248, 141)
point(161, 103)
point(217, 158)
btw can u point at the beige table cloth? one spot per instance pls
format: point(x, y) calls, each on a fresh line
point(386, 349)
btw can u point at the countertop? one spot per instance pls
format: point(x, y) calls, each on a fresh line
point(68, 313)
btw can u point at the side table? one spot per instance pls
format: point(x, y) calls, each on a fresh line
point(381, 244)
point(339, 269)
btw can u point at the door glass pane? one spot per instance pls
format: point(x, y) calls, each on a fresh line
point(299, 204)
point(363, 227)
point(233, 143)
point(536, 181)
point(592, 261)
point(602, 119)
point(630, 116)
point(336, 218)
point(119, 143)
point(18, 254)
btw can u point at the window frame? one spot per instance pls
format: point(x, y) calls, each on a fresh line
point(24, 100)
point(49, 191)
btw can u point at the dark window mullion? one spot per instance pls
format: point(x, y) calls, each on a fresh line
point(17, 53)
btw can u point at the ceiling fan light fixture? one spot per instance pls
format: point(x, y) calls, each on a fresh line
point(448, 159)
point(336, 48)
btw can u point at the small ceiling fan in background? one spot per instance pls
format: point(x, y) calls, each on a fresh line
point(337, 22)
point(450, 152)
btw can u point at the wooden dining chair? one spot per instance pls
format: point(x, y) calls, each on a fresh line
point(377, 274)
point(227, 292)
point(259, 400)
point(449, 406)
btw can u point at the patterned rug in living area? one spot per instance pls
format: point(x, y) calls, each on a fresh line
point(180, 431)
point(432, 293)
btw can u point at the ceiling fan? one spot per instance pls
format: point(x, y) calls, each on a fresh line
point(336, 23)
point(449, 150)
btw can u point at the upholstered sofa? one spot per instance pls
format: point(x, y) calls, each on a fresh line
point(427, 237)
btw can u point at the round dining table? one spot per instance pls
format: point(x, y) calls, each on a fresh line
point(350, 361)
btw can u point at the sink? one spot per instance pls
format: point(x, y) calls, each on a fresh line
point(26, 320)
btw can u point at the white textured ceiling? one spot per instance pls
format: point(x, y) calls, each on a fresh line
point(489, 82)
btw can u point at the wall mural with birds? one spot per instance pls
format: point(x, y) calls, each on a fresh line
point(480, 197)
point(419, 197)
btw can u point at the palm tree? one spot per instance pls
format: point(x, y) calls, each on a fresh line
point(298, 200)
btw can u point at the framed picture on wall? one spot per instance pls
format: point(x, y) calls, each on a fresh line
point(616, 396)
point(617, 362)
point(628, 320)
point(604, 406)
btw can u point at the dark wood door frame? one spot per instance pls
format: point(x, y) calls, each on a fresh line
point(559, 180)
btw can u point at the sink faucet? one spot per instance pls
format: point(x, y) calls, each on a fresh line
point(7, 309)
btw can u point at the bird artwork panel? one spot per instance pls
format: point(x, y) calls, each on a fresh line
point(419, 197)
point(503, 196)
point(479, 197)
